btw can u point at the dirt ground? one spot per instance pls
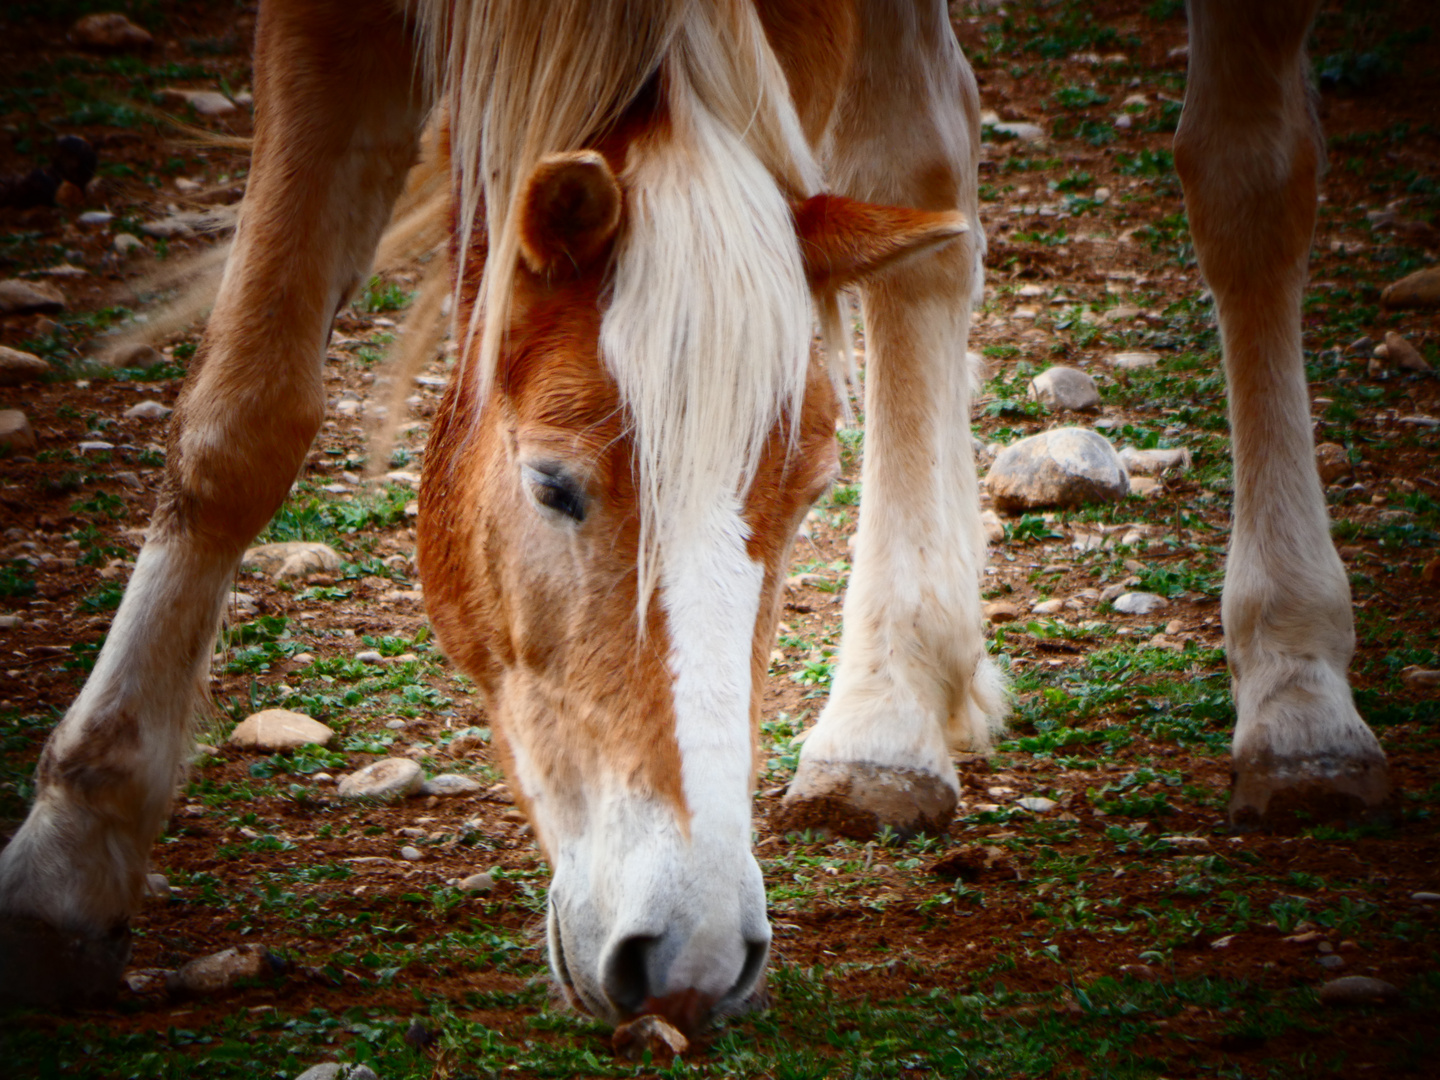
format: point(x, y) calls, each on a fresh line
point(1131, 882)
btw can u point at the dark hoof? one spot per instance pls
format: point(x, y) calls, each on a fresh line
point(1274, 795)
point(857, 800)
point(41, 967)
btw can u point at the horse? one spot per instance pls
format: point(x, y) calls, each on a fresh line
point(655, 202)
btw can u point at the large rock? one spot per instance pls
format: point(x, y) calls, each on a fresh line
point(1154, 462)
point(293, 558)
point(1066, 388)
point(1332, 461)
point(1418, 290)
point(19, 297)
point(279, 729)
point(221, 971)
point(1135, 361)
point(17, 368)
point(448, 784)
point(1358, 990)
point(109, 32)
point(331, 1070)
point(1401, 353)
point(204, 102)
point(16, 434)
point(1063, 467)
point(148, 410)
point(1138, 603)
point(388, 778)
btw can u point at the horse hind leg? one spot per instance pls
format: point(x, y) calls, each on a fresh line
point(1248, 153)
point(913, 680)
point(337, 120)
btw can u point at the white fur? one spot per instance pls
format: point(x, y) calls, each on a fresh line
point(709, 324)
point(78, 864)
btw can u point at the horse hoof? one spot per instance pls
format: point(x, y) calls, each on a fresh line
point(858, 800)
point(1269, 794)
point(41, 967)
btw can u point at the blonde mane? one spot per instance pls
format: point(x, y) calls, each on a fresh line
point(709, 322)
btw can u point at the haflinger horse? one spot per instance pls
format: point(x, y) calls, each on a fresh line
point(655, 202)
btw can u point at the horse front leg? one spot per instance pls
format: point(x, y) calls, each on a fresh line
point(913, 680)
point(336, 121)
point(1248, 151)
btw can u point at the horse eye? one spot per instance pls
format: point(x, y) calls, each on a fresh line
point(554, 489)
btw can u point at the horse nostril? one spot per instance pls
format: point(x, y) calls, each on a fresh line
point(756, 953)
point(625, 980)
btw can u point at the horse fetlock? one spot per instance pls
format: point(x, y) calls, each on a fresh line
point(44, 967)
point(1274, 793)
point(859, 799)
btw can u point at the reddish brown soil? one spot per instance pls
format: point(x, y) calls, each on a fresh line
point(909, 946)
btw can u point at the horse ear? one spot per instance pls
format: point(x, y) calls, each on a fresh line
point(844, 240)
point(570, 211)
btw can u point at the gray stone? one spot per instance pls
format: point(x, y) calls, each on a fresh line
point(1134, 361)
point(124, 243)
point(10, 622)
point(1001, 611)
point(1418, 290)
point(1019, 129)
point(369, 656)
point(1138, 603)
point(204, 102)
point(331, 1070)
point(1053, 606)
point(20, 297)
point(95, 446)
point(1036, 804)
point(279, 729)
point(1425, 897)
point(1066, 388)
point(383, 779)
point(478, 883)
point(1418, 678)
point(222, 970)
point(134, 354)
point(148, 410)
point(294, 558)
point(1332, 461)
point(147, 980)
point(16, 434)
point(1063, 467)
point(1358, 990)
point(18, 367)
point(157, 887)
point(411, 854)
point(1332, 962)
point(1402, 354)
point(93, 219)
point(1154, 462)
point(994, 527)
point(448, 784)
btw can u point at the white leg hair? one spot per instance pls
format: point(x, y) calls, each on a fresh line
point(335, 135)
point(108, 773)
point(1248, 152)
point(913, 680)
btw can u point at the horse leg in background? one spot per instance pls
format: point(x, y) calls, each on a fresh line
point(1248, 151)
point(913, 679)
point(337, 116)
